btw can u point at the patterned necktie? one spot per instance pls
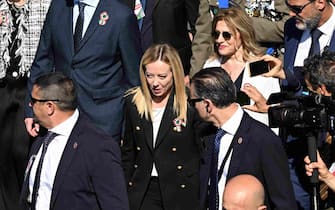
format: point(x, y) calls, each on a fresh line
point(213, 189)
point(48, 138)
point(315, 47)
point(78, 32)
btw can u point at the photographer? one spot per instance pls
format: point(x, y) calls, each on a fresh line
point(320, 78)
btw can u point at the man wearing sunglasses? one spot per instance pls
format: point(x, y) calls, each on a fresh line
point(309, 32)
point(242, 145)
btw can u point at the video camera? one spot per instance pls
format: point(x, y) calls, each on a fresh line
point(309, 110)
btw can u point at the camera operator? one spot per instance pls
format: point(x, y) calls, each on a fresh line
point(320, 78)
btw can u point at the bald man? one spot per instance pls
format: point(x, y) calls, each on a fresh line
point(244, 192)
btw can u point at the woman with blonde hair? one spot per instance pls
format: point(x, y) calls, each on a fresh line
point(235, 47)
point(160, 153)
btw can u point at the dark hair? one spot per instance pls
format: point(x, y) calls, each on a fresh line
point(214, 84)
point(56, 86)
point(320, 70)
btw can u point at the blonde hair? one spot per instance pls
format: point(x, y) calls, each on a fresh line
point(238, 21)
point(142, 96)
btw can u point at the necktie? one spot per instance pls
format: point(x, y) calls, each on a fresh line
point(213, 189)
point(48, 138)
point(315, 47)
point(78, 32)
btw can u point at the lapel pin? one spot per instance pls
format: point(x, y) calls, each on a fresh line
point(239, 140)
point(178, 123)
point(75, 145)
point(138, 128)
point(103, 18)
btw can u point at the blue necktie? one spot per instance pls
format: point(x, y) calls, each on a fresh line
point(48, 138)
point(315, 47)
point(78, 31)
point(213, 189)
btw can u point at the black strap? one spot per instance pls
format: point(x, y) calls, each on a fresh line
point(225, 159)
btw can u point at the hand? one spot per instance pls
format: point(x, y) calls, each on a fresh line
point(324, 173)
point(276, 67)
point(260, 102)
point(32, 128)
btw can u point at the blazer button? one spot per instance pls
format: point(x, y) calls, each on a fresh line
point(135, 166)
point(130, 184)
point(174, 149)
point(138, 148)
point(179, 167)
point(183, 186)
point(137, 128)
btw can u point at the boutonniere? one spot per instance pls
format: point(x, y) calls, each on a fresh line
point(178, 123)
point(103, 18)
point(4, 18)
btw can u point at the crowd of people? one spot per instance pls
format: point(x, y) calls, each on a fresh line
point(153, 104)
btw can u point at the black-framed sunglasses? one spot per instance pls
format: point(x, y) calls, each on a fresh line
point(192, 101)
point(297, 9)
point(34, 100)
point(225, 34)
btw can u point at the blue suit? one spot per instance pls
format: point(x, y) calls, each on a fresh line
point(292, 39)
point(257, 151)
point(89, 174)
point(105, 65)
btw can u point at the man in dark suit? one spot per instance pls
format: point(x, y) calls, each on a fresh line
point(308, 18)
point(245, 145)
point(78, 167)
point(103, 63)
point(168, 21)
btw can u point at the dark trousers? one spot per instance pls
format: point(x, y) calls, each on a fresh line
point(153, 198)
point(14, 142)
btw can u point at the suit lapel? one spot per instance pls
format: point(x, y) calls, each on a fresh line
point(332, 42)
point(148, 133)
point(239, 146)
point(94, 23)
point(167, 121)
point(66, 160)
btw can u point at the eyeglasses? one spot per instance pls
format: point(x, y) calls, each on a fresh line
point(192, 101)
point(34, 100)
point(297, 9)
point(225, 34)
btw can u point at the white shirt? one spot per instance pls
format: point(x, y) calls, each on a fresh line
point(89, 10)
point(156, 122)
point(230, 127)
point(305, 43)
point(51, 162)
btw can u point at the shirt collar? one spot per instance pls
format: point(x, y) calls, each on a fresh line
point(93, 3)
point(232, 124)
point(65, 128)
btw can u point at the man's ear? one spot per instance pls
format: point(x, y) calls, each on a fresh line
point(208, 105)
point(50, 108)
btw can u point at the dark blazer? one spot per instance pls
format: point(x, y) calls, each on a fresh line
point(170, 21)
point(292, 39)
point(257, 151)
point(89, 175)
point(105, 66)
point(176, 156)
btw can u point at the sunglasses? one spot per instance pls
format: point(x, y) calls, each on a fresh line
point(226, 35)
point(34, 100)
point(192, 101)
point(297, 9)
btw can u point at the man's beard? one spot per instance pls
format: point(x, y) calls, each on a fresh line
point(310, 23)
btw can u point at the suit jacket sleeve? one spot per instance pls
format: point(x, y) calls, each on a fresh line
point(192, 7)
point(202, 44)
point(43, 61)
point(108, 178)
point(276, 173)
point(131, 51)
point(127, 148)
